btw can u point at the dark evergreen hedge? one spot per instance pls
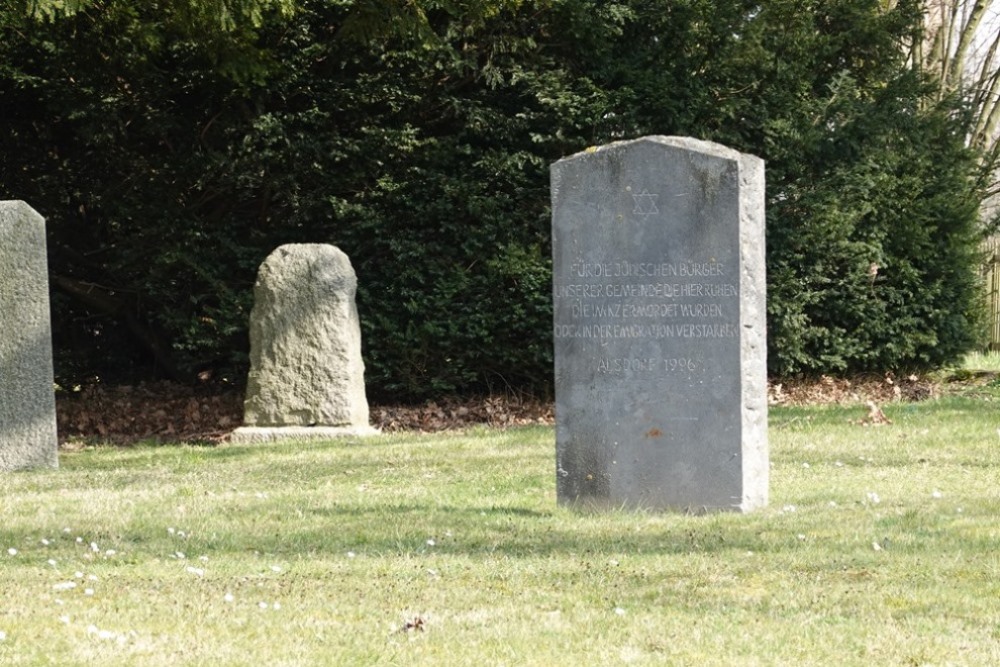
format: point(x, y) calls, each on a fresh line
point(170, 159)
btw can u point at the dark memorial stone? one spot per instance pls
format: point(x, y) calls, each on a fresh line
point(659, 326)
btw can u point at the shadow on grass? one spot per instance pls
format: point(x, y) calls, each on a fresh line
point(415, 529)
point(225, 450)
point(115, 458)
point(519, 532)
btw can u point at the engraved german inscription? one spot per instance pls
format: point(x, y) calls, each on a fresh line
point(620, 302)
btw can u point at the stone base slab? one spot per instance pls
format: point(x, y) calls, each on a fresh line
point(259, 434)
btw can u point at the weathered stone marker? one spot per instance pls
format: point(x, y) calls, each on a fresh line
point(306, 374)
point(659, 325)
point(27, 391)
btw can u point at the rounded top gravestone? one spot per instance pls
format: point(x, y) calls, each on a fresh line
point(305, 342)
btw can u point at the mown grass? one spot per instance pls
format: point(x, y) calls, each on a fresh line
point(879, 547)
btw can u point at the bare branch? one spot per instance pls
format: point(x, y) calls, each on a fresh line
point(987, 136)
point(966, 38)
point(989, 68)
point(985, 101)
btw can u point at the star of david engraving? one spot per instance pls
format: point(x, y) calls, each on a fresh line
point(645, 204)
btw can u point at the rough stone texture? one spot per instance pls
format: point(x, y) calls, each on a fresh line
point(659, 325)
point(305, 347)
point(27, 395)
point(246, 435)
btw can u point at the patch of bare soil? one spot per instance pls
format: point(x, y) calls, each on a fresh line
point(168, 412)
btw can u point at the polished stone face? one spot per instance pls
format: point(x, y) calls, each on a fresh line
point(27, 395)
point(659, 330)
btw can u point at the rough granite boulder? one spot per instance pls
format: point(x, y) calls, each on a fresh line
point(306, 370)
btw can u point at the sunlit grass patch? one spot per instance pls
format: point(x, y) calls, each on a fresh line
point(982, 361)
point(878, 547)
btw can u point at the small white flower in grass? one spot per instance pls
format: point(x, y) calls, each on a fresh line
point(45, 542)
point(3, 636)
point(277, 605)
point(101, 634)
point(171, 531)
point(179, 555)
point(873, 498)
point(833, 503)
point(801, 537)
point(64, 620)
point(351, 554)
point(78, 574)
point(275, 568)
point(65, 586)
point(876, 546)
point(12, 551)
point(619, 611)
point(838, 464)
point(936, 494)
point(67, 530)
point(431, 543)
point(181, 533)
point(788, 508)
point(228, 597)
point(52, 562)
point(806, 465)
point(59, 602)
point(88, 591)
point(94, 547)
point(79, 540)
point(959, 510)
point(110, 552)
point(203, 559)
point(262, 605)
point(197, 571)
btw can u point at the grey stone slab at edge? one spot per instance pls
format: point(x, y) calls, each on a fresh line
point(659, 326)
point(28, 436)
point(306, 378)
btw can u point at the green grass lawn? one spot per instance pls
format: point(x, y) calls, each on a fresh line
point(881, 546)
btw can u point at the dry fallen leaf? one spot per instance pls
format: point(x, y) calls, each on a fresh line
point(416, 624)
point(124, 414)
point(875, 416)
